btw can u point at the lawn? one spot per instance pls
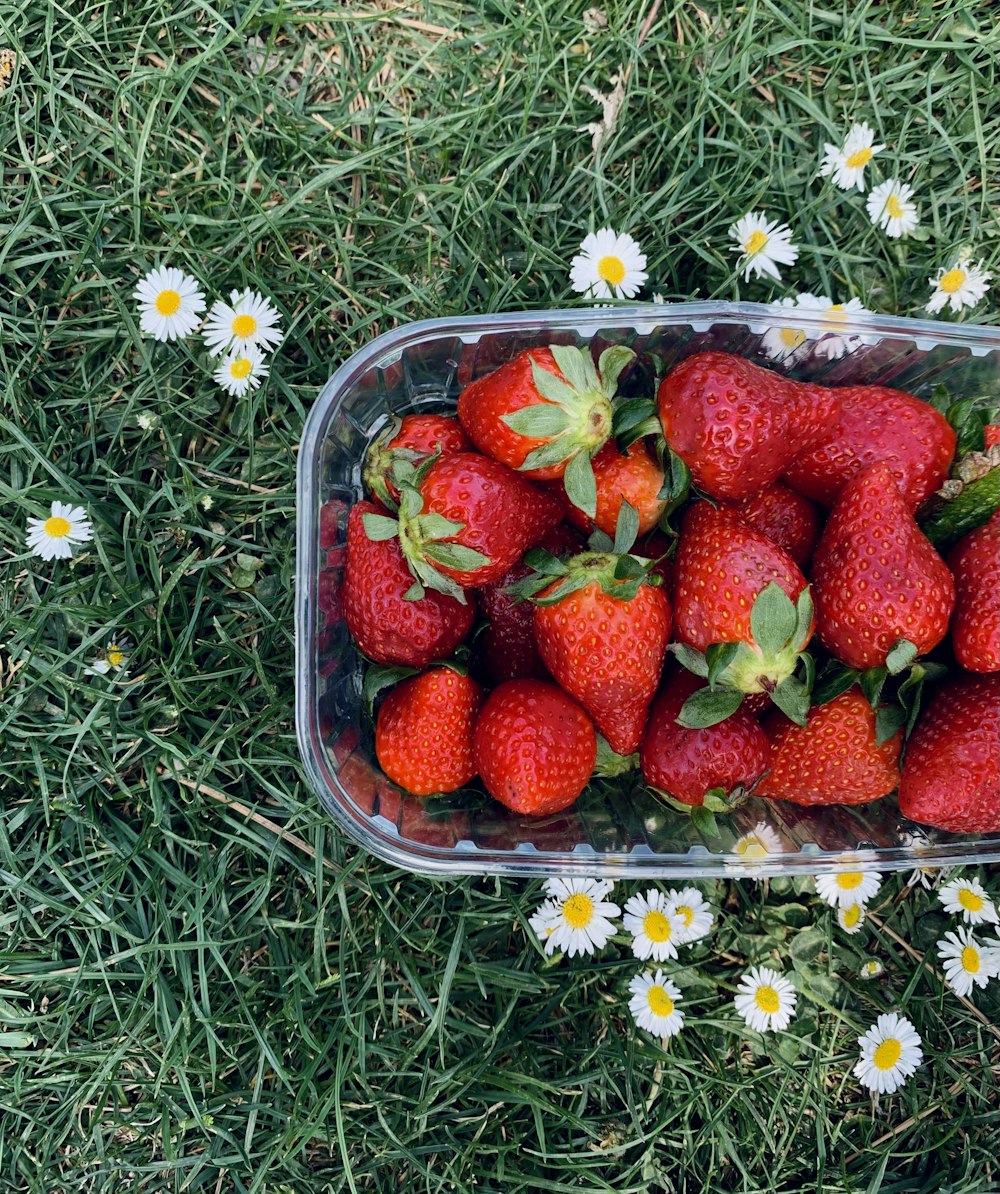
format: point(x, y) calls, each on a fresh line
point(204, 988)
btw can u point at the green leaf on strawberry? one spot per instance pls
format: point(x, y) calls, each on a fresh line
point(581, 484)
point(834, 679)
point(901, 654)
point(707, 707)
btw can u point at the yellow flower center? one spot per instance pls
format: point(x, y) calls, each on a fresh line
point(56, 527)
point(894, 207)
point(656, 926)
point(660, 1003)
point(612, 270)
point(887, 1054)
point(852, 915)
point(115, 656)
point(168, 302)
point(859, 158)
point(969, 900)
point(687, 913)
point(767, 1000)
point(791, 337)
point(751, 848)
point(578, 910)
point(836, 311)
point(849, 880)
point(970, 960)
point(244, 326)
point(953, 280)
point(240, 368)
point(755, 243)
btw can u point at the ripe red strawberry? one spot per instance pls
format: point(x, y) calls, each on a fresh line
point(687, 763)
point(534, 747)
point(738, 426)
point(632, 476)
point(834, 758)
point(423, 733)
point(991, 435)
point(604, 640)
point(951, 774)
point(975, 629)
point(878, 425)
point(721, 568)
point(506, 648)
point(466, 521)
point(386, 626)
point(412, 438)
point(875, 577)
point(785, 517)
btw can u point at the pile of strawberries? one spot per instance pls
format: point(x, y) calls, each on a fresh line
point(757, 608)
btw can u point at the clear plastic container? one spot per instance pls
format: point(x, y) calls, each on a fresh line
point(424, 366)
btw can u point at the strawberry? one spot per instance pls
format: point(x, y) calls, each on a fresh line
point(738, 426)
point(734, 585)
point(878, 424)
point(876, 579)
point(951, 774)
point(412, 438)
point(975, 629)
point(506, 649)
point(387, 626)
point(991, 435)
point(632, 476)
point(834, 758)
point(785, 517)
point(602, 631)
point(534, 747)
point(423, 733)
point(688, 763)
point(546, 413)
point(464, 520)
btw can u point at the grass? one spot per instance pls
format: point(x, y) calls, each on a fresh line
point(203, 988)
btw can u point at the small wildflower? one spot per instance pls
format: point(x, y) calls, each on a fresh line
point(890, 207)
point(655, 931)
point(170, 304)
point(834, 344)
point(765, 1000)
point(582, 919)
point(847, 162)
point(970, 900)
point(543, 919)
point(206, 502)
point(241, 370)
point(890, 1053)
point(966, 964)
point(609, 265)
point(696, 915)
point(654, 1004)
point(8, 60)
point(55, 537)
point(248, 318)
point(146, 420)
point(851, 917)
point(844, 888)
point(961, 285)
point(763, 245)
point(871, 969)
point(756, 845)
point(113, 658)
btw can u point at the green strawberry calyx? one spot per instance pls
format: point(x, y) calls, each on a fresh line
point(380, 461)
point(575, 417)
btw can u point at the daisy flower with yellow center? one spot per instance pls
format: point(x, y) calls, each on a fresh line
point(581, 923)
point(54, 538)
point(965, 962)
point(655, 931)
point(890, 1053)
point(851, 917)
point(871, 969)
point(766, 1000)
point(654, 1004)
point(242, 370)
point(543, 919)
point(113, 658)
point(891, 208)
point(961, 285)
point(609, 265)
point(781, 343)
point(763, 245)
point(835, 343)
point(247, 319)
point(170, 304)
point(758, 843)
point(848, 887)
point(970, 900)
point(847, 162)
point(696, 915)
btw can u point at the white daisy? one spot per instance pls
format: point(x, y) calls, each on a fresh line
point(761, 841)
point(543, 920)
point(781, 342)
point(848, 887)
point(970, 900)
point(834, 344)
point(847, 162)
point(765, 1000)
point(890, 1053)
point(113, 658)
point(851, 917)
point(170, 304)
point(146, 420)
point(696, 915)
point(53, 538)
point(242, 370)
point(582, 921)
point(890, 206)
point(966, 964)
point(609, 265)
point(962, 285)
point(655, 931)
point(763, 245)
point(654, 1004)
point(248, 318)
point(871, 969)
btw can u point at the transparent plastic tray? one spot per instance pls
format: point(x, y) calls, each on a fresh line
point(606, 833)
